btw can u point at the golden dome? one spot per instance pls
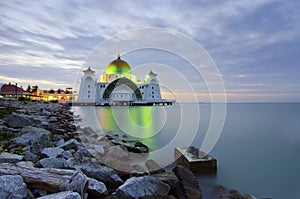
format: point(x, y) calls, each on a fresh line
point(118, 66)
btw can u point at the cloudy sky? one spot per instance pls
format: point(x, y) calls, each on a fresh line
point(255, 44)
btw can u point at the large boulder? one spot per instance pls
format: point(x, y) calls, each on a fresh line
point(82, 152)
point(40, 142)
point(28, 129)
point(62, 195)
point(118, 152)
point(104, 174)
point(122, 167)
point(18, 121)
point(30, 156)
point(52, 152)
point(58, 163)
point(24, 140)
point(70, 144)
point(170, 179)
point(12, 186)
point(188, 182)
point(36, 141)
point(10, 158)
point(218, 190)
point(232, 194)
point(153, 167)
point(27, 164)
point(143, 187)
point(96, 189)
point(77, 182)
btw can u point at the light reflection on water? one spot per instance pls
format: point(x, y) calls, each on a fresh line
point(258, 151)
point(149, 124)
point(161, 128)
point(137, 122)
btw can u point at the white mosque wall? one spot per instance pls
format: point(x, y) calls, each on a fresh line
point(87, 90)
point(92, 91)
point(151, 92)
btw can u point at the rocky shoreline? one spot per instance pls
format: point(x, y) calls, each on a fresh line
point(43, 154)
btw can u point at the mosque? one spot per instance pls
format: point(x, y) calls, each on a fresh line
point(118, 86)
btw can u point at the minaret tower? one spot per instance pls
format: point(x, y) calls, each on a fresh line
point(87, 86)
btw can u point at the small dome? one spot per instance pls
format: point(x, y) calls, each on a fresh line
point(118, 66)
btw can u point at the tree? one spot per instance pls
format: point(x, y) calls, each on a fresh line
point(51, 91)
point(28, 88)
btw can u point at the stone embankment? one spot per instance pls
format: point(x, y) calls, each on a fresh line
point(44, 155)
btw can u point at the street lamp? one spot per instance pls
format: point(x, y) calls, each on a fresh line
point(16, 90)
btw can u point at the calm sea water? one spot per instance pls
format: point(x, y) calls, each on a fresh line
point(258, 151)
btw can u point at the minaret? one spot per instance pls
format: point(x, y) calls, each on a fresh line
point(87, 87)
point(152, 90)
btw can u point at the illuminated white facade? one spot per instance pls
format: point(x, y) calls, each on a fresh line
point(118, 86)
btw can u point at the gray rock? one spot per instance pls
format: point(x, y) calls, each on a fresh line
point(104, 174)
point(52, 152)
point(121, 166)
point(46, 113)
point(62, 195)
point(40, 142)
point(96, 188)
point(118, 152)
point(99, 149)
point(82, 152)
point(89, 132)
point(31, 129)
point(30, 156)
point(232, 194)
point(67, 155)
point(17, 121)
point(24, 140)
point(138, 170)
point(10, 158)
point(27, 164)
point(60, 142)
point(78, 182)
point(36, 138)
point(139, 147)
point(58, 163)
point(153, 167)
point(143, 187)
point(170, 179)
point(70, 144)
point(52, 119)
point(12, 187)
point(44, 123)
point(188, 182)
point(218, 190)
point(75, 164)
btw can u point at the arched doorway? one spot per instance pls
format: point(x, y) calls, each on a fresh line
point(120, 82)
